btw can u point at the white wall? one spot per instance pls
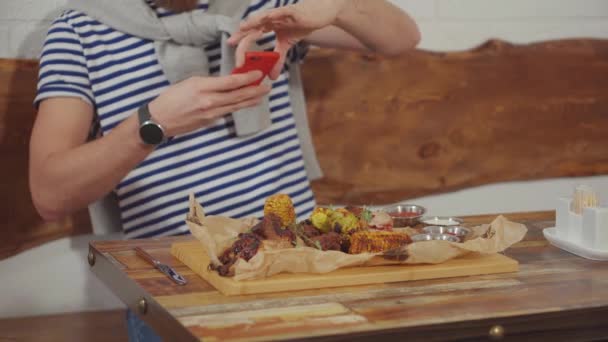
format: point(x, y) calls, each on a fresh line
point(55, 277)
point(445, 24)
point(462, 24)
point(23, 25)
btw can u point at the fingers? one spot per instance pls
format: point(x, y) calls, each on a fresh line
point(226, 83)
point(212, 101)
point(281, 48)
point(285, 18)
point(253, 23)
point(280, 18)
point(236, 37)
point(221, 111)
point(245, 43)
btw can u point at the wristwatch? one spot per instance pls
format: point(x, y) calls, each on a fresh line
point(150, 132)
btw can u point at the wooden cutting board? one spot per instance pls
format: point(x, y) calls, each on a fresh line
point(191, 253)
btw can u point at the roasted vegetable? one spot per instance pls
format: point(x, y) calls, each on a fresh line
point(343, 221)
point(320, 219)
point(281, 206)
point(363, 214)
point(376, 241)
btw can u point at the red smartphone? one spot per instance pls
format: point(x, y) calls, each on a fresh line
point(263, 61)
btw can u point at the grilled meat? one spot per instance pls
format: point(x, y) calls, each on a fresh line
point(245, 248)
point(248, 244)
point(309, 230)
point(315, 238)
point(355, 210)
point(328, 242)
point(270, 228)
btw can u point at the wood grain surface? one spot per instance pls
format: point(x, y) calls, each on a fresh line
point(555, 295)
point(386, 130)
point(390, 129)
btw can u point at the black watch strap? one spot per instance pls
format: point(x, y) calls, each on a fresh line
point(144, 113)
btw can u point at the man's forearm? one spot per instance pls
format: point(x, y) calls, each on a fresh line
point(70, 180)
point(379, 25)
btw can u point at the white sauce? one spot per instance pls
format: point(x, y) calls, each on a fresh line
point(441, 222)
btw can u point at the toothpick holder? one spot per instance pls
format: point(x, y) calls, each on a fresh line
point(585, 235)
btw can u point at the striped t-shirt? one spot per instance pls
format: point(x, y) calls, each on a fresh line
point(117, 73)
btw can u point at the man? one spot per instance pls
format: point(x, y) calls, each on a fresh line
point(131, 102)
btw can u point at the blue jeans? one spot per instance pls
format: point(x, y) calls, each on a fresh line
point(139, 331)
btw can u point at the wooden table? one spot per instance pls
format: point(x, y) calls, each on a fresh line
point(555, 295)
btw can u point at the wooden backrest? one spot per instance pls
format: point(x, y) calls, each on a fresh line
point(425, 123)
point(21, 227)
point(386, 130)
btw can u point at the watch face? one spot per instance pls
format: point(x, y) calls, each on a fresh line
point(151, 133)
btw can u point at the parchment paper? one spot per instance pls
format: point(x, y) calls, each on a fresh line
point(216, 233)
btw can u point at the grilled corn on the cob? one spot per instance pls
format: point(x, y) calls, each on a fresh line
point(281, 205)
point(376, 242)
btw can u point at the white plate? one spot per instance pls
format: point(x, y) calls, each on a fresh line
point(574, 248)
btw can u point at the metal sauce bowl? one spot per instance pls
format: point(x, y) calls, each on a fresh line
point(443, 221)
point(435, 230)
point(431, 237)
point(460, 232)
point(405, 221)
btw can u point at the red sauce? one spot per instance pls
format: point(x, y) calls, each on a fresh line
point(405, 214)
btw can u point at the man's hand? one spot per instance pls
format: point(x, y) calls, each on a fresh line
point(196, 102)
point(290, 23)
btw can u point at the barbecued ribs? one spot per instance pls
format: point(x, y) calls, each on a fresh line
point(324, 241)
point(270, 229)
point(248, 244)
point(328, 242)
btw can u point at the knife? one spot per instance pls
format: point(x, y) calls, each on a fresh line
point(166, 269)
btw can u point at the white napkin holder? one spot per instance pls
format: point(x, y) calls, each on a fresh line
point(585, 235)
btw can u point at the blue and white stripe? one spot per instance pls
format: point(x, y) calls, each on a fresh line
point(232, 176)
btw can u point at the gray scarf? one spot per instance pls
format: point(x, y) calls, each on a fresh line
point(180, 41)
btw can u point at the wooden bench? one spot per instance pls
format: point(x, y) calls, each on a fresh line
point(390, 129)
point(427, 123)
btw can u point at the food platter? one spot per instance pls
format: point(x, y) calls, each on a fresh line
point(192, 254)
point(336, 247)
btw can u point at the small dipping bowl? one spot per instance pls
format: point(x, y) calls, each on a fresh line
point(405, 215)
point(460, 232)
point(435, 230)
point(431, 237)
point(443, 221)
